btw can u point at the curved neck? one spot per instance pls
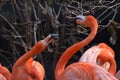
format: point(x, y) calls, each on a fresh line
point(72, 50)
point(37, 48)
point(112, 68)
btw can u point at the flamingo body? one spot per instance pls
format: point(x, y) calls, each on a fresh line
point(86, 71)
point(35, 70)
point(102, 55)
point(32, 70)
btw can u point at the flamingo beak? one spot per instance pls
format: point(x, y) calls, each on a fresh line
point(51, 38)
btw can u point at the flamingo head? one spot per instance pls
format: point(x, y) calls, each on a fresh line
point(80, 19)
point(88, 21)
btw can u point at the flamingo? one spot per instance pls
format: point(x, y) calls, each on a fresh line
point(102, 55)
point(4, 73)
point(26, 68)
point(62, 73)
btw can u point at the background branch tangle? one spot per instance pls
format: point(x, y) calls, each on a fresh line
point(24, 22)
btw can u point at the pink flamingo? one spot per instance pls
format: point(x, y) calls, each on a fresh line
point(62, 73)
point(82, 70)
point(102, 55)
point(26, 68)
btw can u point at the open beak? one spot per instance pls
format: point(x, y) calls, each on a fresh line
point(51, 38)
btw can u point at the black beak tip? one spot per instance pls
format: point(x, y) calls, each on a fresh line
point(55, 36)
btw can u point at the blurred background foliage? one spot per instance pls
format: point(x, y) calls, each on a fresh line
point(24, 22)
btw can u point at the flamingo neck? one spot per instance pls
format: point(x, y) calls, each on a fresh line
point(37, 48)
point(72, 50)
point(113, 67)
